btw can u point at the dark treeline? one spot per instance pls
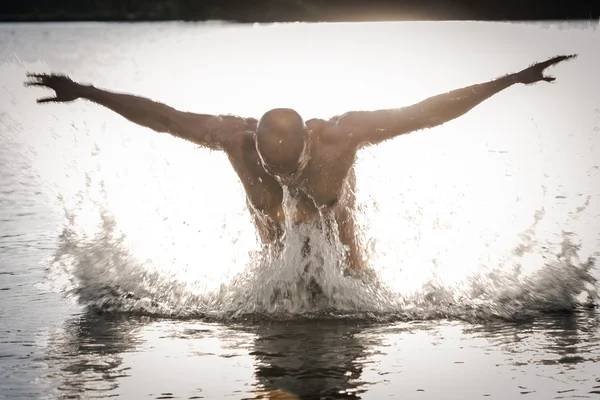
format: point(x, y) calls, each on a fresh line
point(296, 10)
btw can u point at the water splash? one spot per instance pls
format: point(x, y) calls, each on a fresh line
point(290, 283)
point(102, 273)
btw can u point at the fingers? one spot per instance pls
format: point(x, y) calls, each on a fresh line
point(570, 56)
point(38, 76)
point(555, 60)
point(552, 61)
point(44, 79)
point(47, 100)
point(34, 83)
point(42, 76)
point(37, 80)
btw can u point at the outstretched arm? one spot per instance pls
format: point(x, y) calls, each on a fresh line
point(370, 127)
point(206, 130)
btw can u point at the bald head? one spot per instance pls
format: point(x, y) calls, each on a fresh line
point(281, 137)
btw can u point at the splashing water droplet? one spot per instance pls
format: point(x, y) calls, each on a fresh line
point(283, 282)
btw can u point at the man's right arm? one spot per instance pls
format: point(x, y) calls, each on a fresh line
point(206, 130)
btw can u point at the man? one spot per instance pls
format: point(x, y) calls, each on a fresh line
point(312, 160)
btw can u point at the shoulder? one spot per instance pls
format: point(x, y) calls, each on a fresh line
point(329, 132)
point(315, 125)
point(239, 136)
point(231, 123)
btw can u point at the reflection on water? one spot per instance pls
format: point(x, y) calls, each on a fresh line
point(88, 351)
point(111, 356)
point(565, 338)
point(303, 360)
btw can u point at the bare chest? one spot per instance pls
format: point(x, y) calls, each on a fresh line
point(326, 183)
point(299, 202)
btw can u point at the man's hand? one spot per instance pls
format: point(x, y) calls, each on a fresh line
point(66, 90)
point(535, 73)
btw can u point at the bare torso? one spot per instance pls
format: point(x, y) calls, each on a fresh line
point(325, 187)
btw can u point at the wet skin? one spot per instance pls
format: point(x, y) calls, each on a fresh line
point(323, 190)
point(324, 185)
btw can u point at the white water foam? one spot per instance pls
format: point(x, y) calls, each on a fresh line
point(103, 274)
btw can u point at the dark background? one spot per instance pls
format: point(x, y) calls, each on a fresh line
point(296, 10)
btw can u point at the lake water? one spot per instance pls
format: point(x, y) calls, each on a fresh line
point(129, 266)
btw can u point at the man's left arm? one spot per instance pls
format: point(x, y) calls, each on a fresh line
point(371, 127)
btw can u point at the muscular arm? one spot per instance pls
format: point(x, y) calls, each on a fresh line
point(206, 130)
point(370, 127)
